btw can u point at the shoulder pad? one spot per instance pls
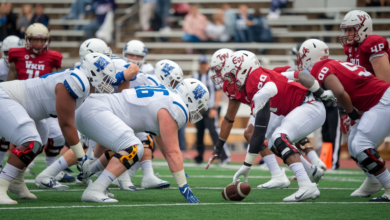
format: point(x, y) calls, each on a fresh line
point(281, 69)
point(374, 44)
point(77, 85)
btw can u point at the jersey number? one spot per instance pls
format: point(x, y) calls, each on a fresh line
point(262, 80)
point(31, 74)
point(148, 91)
point(377, 48)
point(353, 68)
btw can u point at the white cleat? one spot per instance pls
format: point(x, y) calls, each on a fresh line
point(315, 174)
point(109, 194)
point(4, 198)
point(19, 188)
point(318, 162)
point(124, 182)
point(153, 182)
point(368, 188)
point(47, 182)
point(96, 193)
point(279, 181)
point(306, 191)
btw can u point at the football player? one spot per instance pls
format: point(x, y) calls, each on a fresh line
point(269, 91)
point(136, 52)
point(113, 119)
point(365, 98)
point(26, 102)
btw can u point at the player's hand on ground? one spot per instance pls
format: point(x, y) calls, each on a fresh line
point(84, 165)
point(187, 193)
point(243, 171)
point(216, 155)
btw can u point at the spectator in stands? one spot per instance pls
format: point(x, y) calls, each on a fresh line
point(39, 16)
point(78, 10)
point(216, 30)
point(244, 20)
point(100, 8)
point(162, 11)
point(375, 3)
point(260, 29)
point(210, 117)
point(7, 21)
point(276, 5)
point(24, 20)
point(194, 26)
point(146, 13)
point(229, 20)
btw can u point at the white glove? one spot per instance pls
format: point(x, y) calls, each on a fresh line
point(328, 95)
point(244, 170)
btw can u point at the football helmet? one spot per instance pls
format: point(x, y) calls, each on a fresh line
point(169, 73)
point(238, 67)
point(196, 96)
point(9, 42)
point(135, 47)
point(362, 23)
point(37, 31)
point(217, 62)
point(94, 45)
point(100, 71)
point(310, 52)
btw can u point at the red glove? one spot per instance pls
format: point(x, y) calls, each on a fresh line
point(346, 123)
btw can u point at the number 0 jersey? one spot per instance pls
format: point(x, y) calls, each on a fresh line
point(38, 96)
point(364, 88)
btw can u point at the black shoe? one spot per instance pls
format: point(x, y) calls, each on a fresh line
point(380, 199)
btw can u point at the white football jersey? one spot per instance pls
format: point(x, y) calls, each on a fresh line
point(4, 69)
point(38, 95)
point(147, 68)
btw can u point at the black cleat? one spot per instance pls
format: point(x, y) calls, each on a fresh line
point(380, 199)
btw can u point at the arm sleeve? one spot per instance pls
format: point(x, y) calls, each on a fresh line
point(263, 95)
point(260, 129)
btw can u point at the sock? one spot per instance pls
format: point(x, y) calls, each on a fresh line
point(2, 155)
point(384, 179)
point(147, 168)
point(312, 155)
point(272, 164)
point(106, 178)
point(50, 160)
point(9, 172)
point(299, 172)
point(371, 177)
point(54, 169)
point(305, 163)
point(96, 166)
point(134, 169)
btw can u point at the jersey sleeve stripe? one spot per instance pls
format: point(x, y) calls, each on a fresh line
point(66, 84)
point(153, 80)
point(133, 79)
point(81, 81)
point(185, 113)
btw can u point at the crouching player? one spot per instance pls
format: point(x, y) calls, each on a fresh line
point(112, 121)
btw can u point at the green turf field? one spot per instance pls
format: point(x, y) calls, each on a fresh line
point(334, 202)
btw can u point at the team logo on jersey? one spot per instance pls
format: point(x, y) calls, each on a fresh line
point(101, 63)
point(199, 91)
point(26, 57)
point(32, 66)
point(167, 69)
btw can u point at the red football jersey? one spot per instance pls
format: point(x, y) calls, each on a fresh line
point(281, 69)
point(364, 88)
point(29, 67)
point(372, 46)
point(290, 94)
point(239, 96)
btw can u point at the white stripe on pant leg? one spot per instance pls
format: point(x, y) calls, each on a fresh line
point(335, 156)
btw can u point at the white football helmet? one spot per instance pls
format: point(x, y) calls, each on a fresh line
point(34, 31)
point(310, 52)
point(169, 73)
point(238, 67)
point(196, 96)
point(100, 71)
point(217, 62)
point(362, 23)
point(135, 47)
point(94, 45)
point(9, 42)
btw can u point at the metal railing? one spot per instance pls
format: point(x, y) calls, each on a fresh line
point(130, 12)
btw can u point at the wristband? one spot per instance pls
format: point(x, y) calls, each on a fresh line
point(180, 178)
point(249, 158)
point(354, 115)
point(78, 150)
point(228, 120)
point(220, 143)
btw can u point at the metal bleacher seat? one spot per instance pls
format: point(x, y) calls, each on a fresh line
point(63, 1)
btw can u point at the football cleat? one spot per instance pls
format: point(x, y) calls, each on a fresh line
point(153, 182)
point(64, 177)
point(315, 174)
point(124, 182)
point(306, 191)
point(68, 170)
point(80, 181)
point(368, 188)
point(279, 181)
point(188, 195)
point(109, 194)
point(319, 163)
point(96, 193)
point(19, 188)
point(47, 182)
point(4, 198)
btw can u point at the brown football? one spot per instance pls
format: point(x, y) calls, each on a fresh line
point(236, 192)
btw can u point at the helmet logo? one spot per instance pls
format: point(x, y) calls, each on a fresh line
point(223, 57)
point(145, 51)
point(167, 69)
point(199, 91)
point(362, 17)
point(238, 59)
point(100, 64)
point(125, 48)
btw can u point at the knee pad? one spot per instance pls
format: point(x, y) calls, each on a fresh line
point(370, 161)
point(109, 154)
point(283, 148)
point(52, 149)
point(4, 145)
point(301, 144)
point(30, 151)
point(129, 159)
point(148, 143)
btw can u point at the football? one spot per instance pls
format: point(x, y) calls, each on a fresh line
point(236, 192)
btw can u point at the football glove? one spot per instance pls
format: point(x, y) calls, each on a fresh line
point(328, 95)
point(83, 166)
point(346, 123)
point(187, 193)
point(244, 171)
